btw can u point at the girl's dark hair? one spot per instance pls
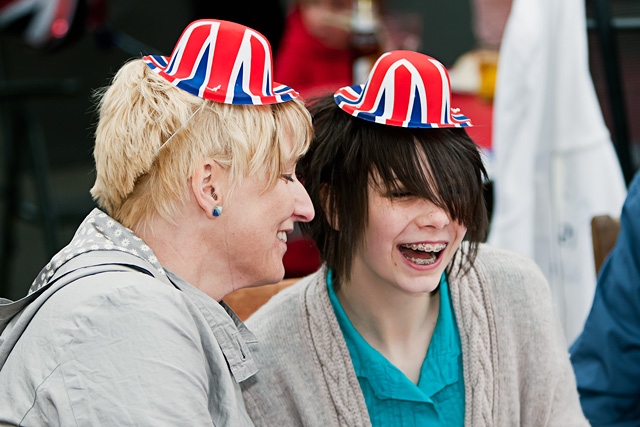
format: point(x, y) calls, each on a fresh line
point(347, 152)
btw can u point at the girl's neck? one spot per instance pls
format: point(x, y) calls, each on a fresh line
point(397, 324)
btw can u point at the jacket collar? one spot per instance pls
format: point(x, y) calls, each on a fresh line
point(230, 332)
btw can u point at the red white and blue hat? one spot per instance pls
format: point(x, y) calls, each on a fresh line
point(406, 89)
point(224, 62)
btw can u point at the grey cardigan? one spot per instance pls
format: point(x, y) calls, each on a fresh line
point(516, 365)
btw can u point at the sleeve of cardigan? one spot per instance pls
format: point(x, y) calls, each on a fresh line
point(534, 381)
point(549, 380)
point(606, 356)
point(565, 410)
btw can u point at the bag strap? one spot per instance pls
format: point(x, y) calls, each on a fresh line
point(18, 314)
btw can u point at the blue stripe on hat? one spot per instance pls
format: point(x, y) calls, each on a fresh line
point(193, 84)
point(446, 110)
point(381, 104)
point(416, 111)
point(240, 97)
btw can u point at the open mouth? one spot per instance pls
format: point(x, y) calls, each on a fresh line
point(423, 253)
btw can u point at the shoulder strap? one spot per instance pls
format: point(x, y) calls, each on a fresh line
point(16, 315)
point(73, 270)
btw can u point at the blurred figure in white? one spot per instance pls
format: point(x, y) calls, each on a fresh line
point(555, 166)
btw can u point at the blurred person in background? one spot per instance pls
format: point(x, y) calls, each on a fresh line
point(406, 325)
point(606, 355)
point(195, 158)
point(331, 43)
point(315, 53)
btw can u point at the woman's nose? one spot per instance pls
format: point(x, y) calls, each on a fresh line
point(303, 208)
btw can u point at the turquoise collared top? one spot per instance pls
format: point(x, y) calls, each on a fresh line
point(394, 400)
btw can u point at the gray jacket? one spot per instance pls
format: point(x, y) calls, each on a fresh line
point(108, 337)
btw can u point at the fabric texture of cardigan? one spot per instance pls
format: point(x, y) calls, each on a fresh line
point(516, 364)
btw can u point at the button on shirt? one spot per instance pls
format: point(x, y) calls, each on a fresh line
point(394, 400)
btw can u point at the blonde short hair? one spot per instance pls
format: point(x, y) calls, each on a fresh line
point(140, 111)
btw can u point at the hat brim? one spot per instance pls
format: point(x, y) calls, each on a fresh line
point(196, 85)
point(349, 98)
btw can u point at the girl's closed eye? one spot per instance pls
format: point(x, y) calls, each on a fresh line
point(400, 194)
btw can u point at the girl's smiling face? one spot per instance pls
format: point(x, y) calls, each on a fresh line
point(407, 243)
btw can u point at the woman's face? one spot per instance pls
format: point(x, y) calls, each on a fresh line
point(257, 223)
point(407, 243)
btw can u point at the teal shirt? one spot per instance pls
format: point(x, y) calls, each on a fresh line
point(391, 398)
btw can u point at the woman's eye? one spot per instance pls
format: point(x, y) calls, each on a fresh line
point(288, 177)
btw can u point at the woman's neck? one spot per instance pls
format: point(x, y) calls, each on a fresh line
point(192, 261)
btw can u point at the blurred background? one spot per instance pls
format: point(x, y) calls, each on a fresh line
point(55, 53)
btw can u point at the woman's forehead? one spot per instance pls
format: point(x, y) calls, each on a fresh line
point(292, 147)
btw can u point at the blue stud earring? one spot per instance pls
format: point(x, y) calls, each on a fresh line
point(217, 211)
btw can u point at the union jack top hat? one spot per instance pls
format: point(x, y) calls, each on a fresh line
point(224, 62)
point(406, 89)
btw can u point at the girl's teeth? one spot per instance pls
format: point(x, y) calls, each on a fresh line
point(427, 247)
point(423, 261)
point(282, 236)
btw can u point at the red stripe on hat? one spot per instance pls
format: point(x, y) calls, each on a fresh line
point(433, 87)
point(372, 89)
point(227, 57)
point(187, 58)
point(402, 94)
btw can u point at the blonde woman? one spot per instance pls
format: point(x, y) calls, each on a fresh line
point(195, 158)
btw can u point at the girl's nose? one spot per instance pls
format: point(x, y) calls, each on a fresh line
point(434, 216)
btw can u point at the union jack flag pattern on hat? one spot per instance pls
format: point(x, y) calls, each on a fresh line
point(406, 89)
point(224, 62)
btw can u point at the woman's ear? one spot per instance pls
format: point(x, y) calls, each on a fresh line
point(208, 184)
point(325, 202)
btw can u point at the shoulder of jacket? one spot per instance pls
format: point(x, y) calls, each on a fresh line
point(118, 289)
